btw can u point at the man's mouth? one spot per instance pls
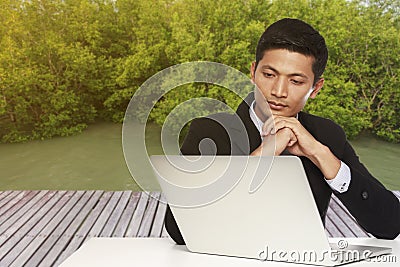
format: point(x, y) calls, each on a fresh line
point(276, 105)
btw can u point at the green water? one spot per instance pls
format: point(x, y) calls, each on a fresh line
point(91, 160)
point(94, 160)
point(381, 159)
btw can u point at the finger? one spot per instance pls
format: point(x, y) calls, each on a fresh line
point(292, 141)
point(282, 140)
point(280, 143)
point(281, 123)
point(268, 126)
point(292, 138)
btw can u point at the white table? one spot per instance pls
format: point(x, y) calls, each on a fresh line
point(121, 252)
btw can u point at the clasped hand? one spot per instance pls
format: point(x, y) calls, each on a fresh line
point(288, 134)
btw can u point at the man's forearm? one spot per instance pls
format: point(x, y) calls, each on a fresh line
point(326, 161)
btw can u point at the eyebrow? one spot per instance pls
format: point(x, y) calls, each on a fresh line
point(264, 67)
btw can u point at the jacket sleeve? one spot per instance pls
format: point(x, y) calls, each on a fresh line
point(374, 207)
point(172, 227)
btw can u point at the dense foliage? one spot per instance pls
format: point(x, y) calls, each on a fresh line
point(65, 63)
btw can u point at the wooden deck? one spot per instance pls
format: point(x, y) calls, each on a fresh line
point(42, 228)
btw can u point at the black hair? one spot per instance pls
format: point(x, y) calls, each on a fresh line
point(296, 36)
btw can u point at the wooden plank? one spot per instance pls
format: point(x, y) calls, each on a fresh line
point(63, 243)
point(330, 227)
point(84, 229)
point(94, 215)
point(347, 219)
point(40, 237)
point(104, 216)
point(116, 215)
point(3, 194)
point(6, 221)
point(15, 245)
point(157, 225)
point(342, 227)
point(149, 215)
point(10, 226)
point(4, 202)
point(31, 228)
point(58, 232)
point(61, 208)
point(123, 223)
point(134, 225)
point(15, 204)
point(335, 199)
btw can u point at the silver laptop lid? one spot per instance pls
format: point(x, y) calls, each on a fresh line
point(218, 213)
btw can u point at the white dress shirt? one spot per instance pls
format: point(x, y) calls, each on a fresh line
point(342, 180)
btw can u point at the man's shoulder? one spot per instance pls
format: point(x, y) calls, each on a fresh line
point(317, 121)
point(322, 128)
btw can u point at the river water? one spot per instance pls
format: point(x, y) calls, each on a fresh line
point(94, 160)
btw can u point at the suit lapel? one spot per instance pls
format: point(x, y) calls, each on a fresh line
point(245, 137)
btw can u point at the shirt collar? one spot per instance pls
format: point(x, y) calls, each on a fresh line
point(254, 118)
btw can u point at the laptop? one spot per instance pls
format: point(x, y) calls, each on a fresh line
point(252, 207)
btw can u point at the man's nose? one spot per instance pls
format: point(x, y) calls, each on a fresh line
point(280, 88)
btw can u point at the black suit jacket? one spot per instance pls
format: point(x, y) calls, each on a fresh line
point(375, 208)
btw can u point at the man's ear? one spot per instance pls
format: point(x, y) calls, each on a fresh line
point(317, 87)
point(252, 70)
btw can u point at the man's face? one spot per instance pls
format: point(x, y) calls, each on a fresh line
point(285, 82)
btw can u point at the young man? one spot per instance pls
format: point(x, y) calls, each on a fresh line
point(290, 59)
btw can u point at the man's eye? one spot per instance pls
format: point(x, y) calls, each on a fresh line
point(266, 74)
point(297, 82)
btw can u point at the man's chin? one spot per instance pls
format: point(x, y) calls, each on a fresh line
point(278, 113)
point(282, 114)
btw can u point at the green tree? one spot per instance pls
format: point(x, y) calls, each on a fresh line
point(66, 63)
